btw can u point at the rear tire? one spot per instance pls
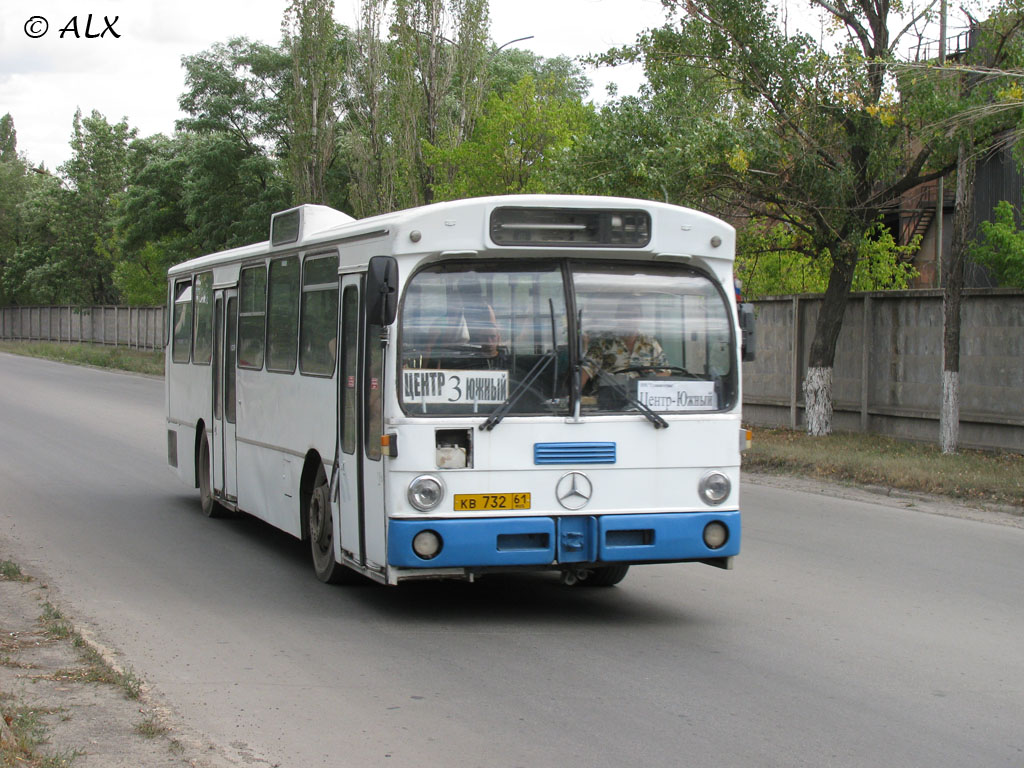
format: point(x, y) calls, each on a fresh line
point(606, 576)
point(321, 535)
point(211, 508)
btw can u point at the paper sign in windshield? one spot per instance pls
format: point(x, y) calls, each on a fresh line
point(677, 395)
point(432, 387)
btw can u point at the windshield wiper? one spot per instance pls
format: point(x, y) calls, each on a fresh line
point(526, 383)
point(623, 391)
point(520, 389)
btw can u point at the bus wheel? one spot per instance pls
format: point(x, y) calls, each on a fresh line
point(321, 534)
point(607, 576)
point(210, 506)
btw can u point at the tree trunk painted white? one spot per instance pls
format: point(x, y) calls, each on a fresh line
point(952, 297)
point(818, 401)
point(949, 419)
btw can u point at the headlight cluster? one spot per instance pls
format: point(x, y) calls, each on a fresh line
point(425, 492)
point(714, 488)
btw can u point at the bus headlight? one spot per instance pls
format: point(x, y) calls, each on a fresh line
point(714, 488)
point(425, 492)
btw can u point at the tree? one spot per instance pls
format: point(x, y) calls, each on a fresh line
point(14, 187)
point(1000, 246)
point(69, 250)
point(768, 125)
point(312, 40)
point(152, 220)
point(770, 261)
point(998, 41)
point(368, 150)
point(627, 151)
point(423, 85)
point(8, 139)
point(517, 141)
point(506, 67)
point(949, 416)
point(232, 140)
point(239, 88)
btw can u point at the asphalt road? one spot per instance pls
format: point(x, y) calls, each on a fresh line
point(850, 634)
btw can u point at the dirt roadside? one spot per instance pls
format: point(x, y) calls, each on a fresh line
point(66, 701)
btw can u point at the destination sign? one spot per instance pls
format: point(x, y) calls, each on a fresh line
point(454, 386)
point(670, 395)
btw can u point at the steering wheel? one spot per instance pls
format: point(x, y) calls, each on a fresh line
point(648, 368)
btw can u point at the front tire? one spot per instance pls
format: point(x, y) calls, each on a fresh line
point(321, 535)
point(606, 576)
point(206, 500)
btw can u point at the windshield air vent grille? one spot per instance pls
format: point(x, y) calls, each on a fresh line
point(574, 453)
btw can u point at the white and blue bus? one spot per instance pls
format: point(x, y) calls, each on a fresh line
point(488, 385)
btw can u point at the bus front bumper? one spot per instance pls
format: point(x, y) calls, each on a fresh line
point(552, 541)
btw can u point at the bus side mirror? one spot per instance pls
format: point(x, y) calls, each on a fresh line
point(382, 290)
point(747, 337)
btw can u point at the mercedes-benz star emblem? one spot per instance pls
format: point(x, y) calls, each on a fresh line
point(574, 490)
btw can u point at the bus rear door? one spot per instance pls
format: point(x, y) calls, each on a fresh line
point(224, 396)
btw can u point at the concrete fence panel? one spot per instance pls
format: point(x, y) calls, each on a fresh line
point(136, 327)
point(887, 377)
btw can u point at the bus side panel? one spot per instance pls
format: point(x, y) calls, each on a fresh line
point(189, 401)
point(184, 442)
point(281, 418)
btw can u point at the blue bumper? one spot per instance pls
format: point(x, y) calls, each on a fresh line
point(541, 541)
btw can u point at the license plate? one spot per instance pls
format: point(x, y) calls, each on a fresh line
point(479, 502)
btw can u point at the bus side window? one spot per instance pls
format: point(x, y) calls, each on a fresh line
point(374, 392)
point(252, 309)
point(349, 367)
point(182, 322)
point(202, 344)
point(283, 314)
point(319, 316)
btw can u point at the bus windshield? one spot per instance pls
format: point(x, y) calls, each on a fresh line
point(481, 336)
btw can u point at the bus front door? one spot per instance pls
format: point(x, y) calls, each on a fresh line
point(360, 486)
point(225, 398)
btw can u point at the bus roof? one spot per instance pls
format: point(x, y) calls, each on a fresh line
point(436, 228)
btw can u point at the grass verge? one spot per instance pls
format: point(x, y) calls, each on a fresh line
point(119, 358)
point(972, 476)
point(24, 730)
point(97, 669)
point(150, 728)
point(11, 571)
point(24, 733)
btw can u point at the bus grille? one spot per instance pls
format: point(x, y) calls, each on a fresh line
point(574, 453)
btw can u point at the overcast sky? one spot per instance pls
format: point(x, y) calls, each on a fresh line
point(138, 75)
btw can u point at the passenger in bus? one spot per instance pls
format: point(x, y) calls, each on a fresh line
point(484, 342)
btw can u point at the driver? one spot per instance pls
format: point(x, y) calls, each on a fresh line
point(628, 348)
